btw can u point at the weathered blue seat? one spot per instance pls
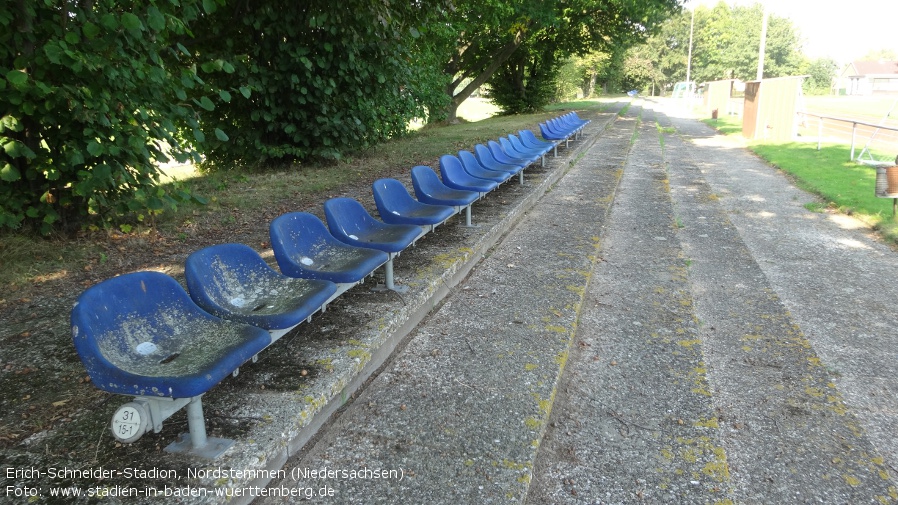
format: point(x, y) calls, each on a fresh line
point(522, 146)
point(530, 140)
point(396, 206)
point(520, 151)
point(350, 223)
point(455, 176)
point(140, 334)
point(550, 133)
point(430, 189)
point(502, 156)
point(486, 158)
point(471, 161)
point(304, 248)
point(475, 169)
point(233, 282)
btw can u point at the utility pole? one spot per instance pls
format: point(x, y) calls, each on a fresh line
point(689, 59)
point(763, 45)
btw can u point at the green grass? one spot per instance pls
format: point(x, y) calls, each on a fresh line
point(845, 186)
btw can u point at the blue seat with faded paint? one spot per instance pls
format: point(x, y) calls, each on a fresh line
point(486, 158)
point(396, 206)
point(521, 146)
point(522, 152)
point(455, 176)
point(350, 223)
point(502, 156)
point(551, 133)
point(303, 247)
point(430, 189)
point(233, 282)
point(471, 162)
point(475, 169)
point(140, 334)
point(530, 140)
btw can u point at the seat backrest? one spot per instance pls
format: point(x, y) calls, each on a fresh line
point(130, 312)
point(346, 217)
point(425, 181)
point(391, 197)
point(484, 156)
point(470, 162)
point(451, 168)
point(219, 276)
point(296, 239)
point(517, 144)
point(509, 147)
point(502, 155)
point(528, 136)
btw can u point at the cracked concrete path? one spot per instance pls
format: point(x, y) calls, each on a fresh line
point(766, 419)
point(667, 325)
point(462, 409)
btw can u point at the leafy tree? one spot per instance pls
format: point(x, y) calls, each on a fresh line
point(93, 97)
point(571, 28)
point(480, 37)
point(821, 73)
point(325, 77)
point(725, 45)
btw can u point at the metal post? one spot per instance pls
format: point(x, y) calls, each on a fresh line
point(853, 131)
point(196, 424)
point(388, 272)
point(819, 131)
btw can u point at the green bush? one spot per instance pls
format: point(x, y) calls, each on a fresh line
point(93, 96)
point(325, 78)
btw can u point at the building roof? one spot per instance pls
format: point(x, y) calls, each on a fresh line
point(875, 67)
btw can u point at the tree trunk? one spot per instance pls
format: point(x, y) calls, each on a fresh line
point(496, 61)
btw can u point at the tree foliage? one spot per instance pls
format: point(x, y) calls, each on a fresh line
point(725, 46)
point(526, 80)
point(94, 95)
point(316, 78)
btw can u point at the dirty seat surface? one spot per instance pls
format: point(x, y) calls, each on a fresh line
point(141, 334)
point(232, 281)
point(303, 247)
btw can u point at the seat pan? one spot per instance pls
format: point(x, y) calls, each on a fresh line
point(304, 248)
point(233, 282)
point(429, 189)
point(140, 334)
point(350, 223)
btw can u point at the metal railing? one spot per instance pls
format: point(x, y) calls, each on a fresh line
point(837, 132)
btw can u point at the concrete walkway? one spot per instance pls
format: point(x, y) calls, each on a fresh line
point(667, 325)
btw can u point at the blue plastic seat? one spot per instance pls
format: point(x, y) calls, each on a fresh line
point(475, 169)
point(396, 206)
point(550, 134)
point(503, 156)
point(530, 140)
point(522, 152)
point(472, 164)
point(560, 127)
point(233, 282)
point(140, 334)
point(455, 176)
point(522, 147)
point(350, 223)
point(304, 248)
point(485, 157)
point(504, 147)
point(430, 189)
